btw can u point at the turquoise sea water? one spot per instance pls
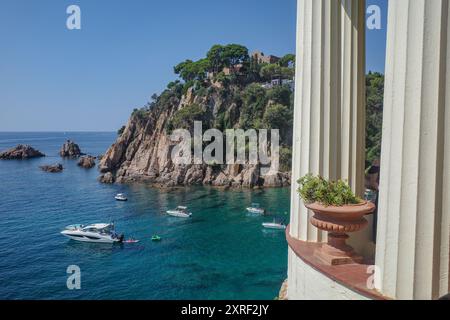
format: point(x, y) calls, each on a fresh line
point(220, 253)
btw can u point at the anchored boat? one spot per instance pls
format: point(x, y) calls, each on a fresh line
point(156, 238)
point(256, 209)
point(274, 225)
point(180, 212)
point(121, 197)
point(99, 232)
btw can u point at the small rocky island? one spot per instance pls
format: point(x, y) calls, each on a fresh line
point(87, 162)
point(21, 152)
point(70, 150)
point(55, 168)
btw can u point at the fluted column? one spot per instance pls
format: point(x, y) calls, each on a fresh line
point(329, 116)
point(412, 253)
point(353, 94)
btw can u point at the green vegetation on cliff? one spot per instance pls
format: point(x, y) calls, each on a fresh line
point(374, 116)
point(185, 117)
point(228, 88)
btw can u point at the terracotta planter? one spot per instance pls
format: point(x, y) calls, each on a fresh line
point(338, 221)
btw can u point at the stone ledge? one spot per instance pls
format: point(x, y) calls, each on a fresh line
point(351, 276)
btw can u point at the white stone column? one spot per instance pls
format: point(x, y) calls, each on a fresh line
point(329, 117)
point(412, 253)
point(353, 94)
point(354, 108)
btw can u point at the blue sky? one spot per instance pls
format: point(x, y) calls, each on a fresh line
point(55, 79)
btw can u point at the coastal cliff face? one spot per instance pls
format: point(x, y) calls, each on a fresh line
point(142, 152)
point(227, 89)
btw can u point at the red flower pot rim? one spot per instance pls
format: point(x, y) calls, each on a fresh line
point(362, 208)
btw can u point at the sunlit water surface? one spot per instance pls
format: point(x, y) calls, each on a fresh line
point(220, 253)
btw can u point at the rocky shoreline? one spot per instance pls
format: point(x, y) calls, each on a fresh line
point(142, 153)
point(203, 175)
point(137, 156)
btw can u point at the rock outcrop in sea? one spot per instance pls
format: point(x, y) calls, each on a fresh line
point(54, 168)
point(227, 89)
point(86, 162)
point(21, 152)
point(142, 153)
point(70, 150)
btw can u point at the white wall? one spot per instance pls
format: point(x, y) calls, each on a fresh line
point(305, 283)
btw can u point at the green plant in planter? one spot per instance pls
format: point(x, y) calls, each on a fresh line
point(328, 193)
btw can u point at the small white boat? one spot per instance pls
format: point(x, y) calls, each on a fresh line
point(98, 232)
point(121, 197)
point(130, 241)
point(256, 209)
point(180, 212)
point(274, 225)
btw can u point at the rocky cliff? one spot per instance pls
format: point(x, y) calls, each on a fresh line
point(143, 149)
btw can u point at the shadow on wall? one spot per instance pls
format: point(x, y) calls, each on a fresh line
point(446, 297)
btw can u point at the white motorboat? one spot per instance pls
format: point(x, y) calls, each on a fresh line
point(180, 212)
point(121, 197)
point(99, 232)
point(256, 209)
point(274, 225)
